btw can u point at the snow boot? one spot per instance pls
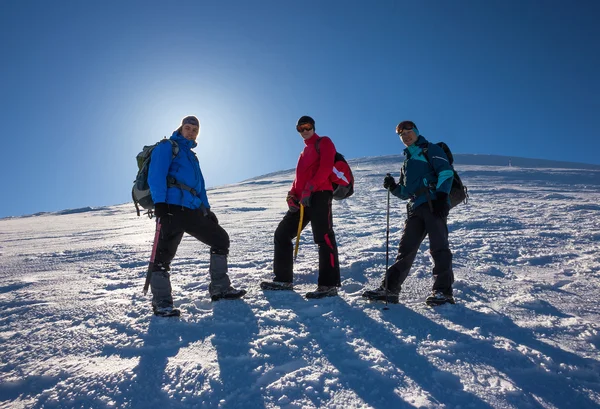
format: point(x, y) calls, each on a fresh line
point(276, 286)
point(229, 294)
point(162, 301)
point(381, 294)
point(219, 280)
point(439, 298)
point(168, 311)
point(322, 292)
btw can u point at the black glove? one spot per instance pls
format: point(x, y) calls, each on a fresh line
point(305, 199)
point(211, 216)
point(306, 194)
point(389, 183)
point(441, 208)
point(161, 210)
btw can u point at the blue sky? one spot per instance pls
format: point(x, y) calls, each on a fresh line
point(85, 84)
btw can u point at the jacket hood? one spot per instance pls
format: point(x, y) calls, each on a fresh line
point(177, 137)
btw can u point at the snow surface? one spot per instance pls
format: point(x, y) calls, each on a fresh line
point(76, 331)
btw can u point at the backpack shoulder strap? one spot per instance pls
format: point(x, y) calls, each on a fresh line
point(171, 181)
point(317, 145)
point(425, 151)
point(175, 147)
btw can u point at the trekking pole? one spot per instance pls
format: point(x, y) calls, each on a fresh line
point(387, 247)
point(299, 231)
point(152, 255)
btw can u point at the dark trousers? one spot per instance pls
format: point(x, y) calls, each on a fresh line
point(419, 223)
point(321, 220)
point(193, 222)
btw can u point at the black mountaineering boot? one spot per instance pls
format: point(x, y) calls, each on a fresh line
point(276, 286)
point(439, 298)
point(322, 292)
point(381, 294)
point(228, 294)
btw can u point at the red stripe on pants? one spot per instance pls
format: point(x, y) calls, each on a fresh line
point(331, 258)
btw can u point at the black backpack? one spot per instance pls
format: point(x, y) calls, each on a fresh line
point(341, 177)
point(458, 192)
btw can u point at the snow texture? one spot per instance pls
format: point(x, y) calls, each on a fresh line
point(76, 331)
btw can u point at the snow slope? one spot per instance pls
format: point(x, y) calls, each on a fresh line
point(76, 331)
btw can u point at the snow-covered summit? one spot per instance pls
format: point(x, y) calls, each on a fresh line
point(76, 331)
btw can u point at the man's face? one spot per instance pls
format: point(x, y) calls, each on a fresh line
point(408, 137)
point(190, 132)
point(306, 130)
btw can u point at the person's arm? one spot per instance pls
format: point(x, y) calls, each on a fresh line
point(202, 194)
point(158, 171)
point(443, 169)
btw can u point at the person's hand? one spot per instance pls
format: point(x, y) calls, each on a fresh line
point(292, 202)
point(306, 193)
point(212, 216)
point(161, 210)
point(389, 183)
point(441, 207)
point(305, 198)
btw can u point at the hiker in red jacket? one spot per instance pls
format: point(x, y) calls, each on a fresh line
point(313, 190)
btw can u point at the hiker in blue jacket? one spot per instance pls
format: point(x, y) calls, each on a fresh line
point(181, 206)
point(426, 185)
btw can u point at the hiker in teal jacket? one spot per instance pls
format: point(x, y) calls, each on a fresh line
point(428, 179)
point(425, 181)
point(181, 206)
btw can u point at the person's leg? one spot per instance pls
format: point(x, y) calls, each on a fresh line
point(412, 236)
point(283, 259)
point(439, 248)
point(160, 281)
point(212, 234)
point(322, 226)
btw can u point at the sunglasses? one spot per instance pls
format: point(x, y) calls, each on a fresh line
point(405, 126)
point(304, 127)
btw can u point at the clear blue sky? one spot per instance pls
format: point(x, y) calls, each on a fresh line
point(85, 84)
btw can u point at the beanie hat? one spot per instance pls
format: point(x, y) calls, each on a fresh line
point(414, 127)
point(191, 119)
point(306, 120)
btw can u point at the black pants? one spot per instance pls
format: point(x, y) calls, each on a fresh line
point(193, 222)
point(320, 217)
point(419, 223)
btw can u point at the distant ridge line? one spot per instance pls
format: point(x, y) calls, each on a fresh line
point(493, 160)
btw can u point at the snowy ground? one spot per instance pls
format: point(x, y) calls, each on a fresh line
point(76, 331)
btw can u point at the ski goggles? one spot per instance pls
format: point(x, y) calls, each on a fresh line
point(405, 126)
point(304, 127)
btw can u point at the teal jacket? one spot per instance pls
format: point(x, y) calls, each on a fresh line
point(420, 177)
point(184, 168)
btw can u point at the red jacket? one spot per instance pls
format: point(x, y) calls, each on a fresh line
point(313, 169)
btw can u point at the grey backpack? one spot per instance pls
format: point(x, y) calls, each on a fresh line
point(140, 192)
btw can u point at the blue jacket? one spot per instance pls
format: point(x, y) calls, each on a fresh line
point(185, 168)
point(417, 173)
